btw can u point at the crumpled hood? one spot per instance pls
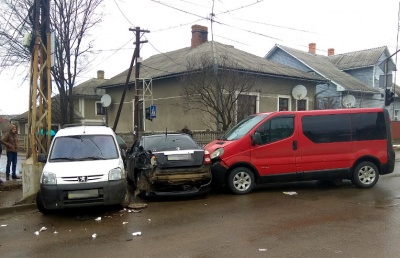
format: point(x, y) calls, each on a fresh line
point(212, 146)
point(82, 168)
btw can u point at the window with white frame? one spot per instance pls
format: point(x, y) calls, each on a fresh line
point(100, 110)
point(396, 115)
point(283, 104)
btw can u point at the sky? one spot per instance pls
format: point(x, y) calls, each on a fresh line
point(253, 26)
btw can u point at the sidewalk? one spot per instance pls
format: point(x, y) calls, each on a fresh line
point(10, 190)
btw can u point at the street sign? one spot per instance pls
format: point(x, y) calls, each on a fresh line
point(153, 111)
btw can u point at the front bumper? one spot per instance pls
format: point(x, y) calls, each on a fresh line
point(218, 172)
point(177, 181)
point(61, 196)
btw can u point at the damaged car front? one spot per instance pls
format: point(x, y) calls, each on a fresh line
point(169, 165)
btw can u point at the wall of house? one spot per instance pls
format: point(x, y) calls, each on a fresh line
point(366, 75)
point(125, 122)
point(173, 115)
point(272, 88)
point(284, 58)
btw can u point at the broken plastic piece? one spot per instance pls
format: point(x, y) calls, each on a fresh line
point(37, 233)
point(137, 233)
point(290, 193)
point(97, 219)
point(42, 229)
point(94, 235)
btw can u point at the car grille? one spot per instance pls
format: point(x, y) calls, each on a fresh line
point(75, 179)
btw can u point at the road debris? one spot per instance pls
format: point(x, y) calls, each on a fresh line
point(290, 193)
point(124, 223)
point(94, 235)
point(137, 233)
point(97, 219)
point(262, 249)
point(3, 225)
point(137, 205)
point(42, 229)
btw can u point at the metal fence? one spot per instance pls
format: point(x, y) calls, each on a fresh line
point(201, 137)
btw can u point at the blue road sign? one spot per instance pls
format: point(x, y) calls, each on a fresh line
point(153, 111)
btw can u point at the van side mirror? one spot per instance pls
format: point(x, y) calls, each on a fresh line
point(256, 139)
point(42, 158)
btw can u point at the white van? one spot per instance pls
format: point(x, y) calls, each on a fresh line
point(84, 168)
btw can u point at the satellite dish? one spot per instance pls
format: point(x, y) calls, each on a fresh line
point(105, 100)
point(348, 101)
point(299, 92)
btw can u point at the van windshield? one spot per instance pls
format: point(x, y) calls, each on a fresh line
point(243, 127)
point(83, 147)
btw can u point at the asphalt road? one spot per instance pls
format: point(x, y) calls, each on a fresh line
point(318, 221)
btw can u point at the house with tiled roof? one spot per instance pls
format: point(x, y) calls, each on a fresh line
point(164, 73)
point(87, 105)
point(346, 83)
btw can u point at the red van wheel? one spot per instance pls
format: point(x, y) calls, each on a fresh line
point(241, 180)
point(365, 175)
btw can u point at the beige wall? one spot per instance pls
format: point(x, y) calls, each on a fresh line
point(172, 116)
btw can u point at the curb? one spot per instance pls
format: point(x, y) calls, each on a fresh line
point(15, 208)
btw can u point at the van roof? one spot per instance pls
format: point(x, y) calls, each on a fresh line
point(328, 111)
point(79, 130)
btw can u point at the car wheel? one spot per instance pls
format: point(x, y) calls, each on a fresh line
point(40, 205)
point(138, 192)
point(126, 200)
point(365, 175)
point(241, 180)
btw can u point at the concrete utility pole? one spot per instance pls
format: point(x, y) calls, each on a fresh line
point(39, 114)
point(135, 58)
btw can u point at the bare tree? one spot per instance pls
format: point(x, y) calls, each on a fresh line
point(71, 20)
point(214, 89)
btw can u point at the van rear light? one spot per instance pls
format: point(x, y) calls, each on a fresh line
point(207, 159)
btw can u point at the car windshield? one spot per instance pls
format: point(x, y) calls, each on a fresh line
point(83, 147)
point(169, 142)
point(243, 127)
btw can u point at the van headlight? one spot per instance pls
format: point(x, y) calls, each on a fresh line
point(115, 174)
point(217, 153)
point(48, 178)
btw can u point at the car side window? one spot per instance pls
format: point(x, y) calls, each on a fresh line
point(276, 129)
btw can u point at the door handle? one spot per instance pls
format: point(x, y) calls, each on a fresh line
point(294, 144)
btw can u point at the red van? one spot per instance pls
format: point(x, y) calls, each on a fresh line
point(287, 146)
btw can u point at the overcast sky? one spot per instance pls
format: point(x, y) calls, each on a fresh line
point(249, 25)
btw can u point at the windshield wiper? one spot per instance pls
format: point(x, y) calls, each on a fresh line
point(65, 158)
point(92, 158)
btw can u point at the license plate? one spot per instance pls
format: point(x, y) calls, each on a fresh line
point(179, 157)
point(83, 194)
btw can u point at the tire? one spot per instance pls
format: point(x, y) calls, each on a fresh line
point(127, 199)
point(365, 175)
point(241, 180)
point(40, 205)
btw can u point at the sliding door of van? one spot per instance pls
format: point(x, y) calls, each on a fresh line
point(325, 144)
point(276, 155)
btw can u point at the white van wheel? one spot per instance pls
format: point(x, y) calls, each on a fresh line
point(365, 175)
point(241, 180)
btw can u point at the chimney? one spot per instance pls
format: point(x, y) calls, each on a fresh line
point(312, 48)
point(199, 35)
point(100, 74)
point(331, 51)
